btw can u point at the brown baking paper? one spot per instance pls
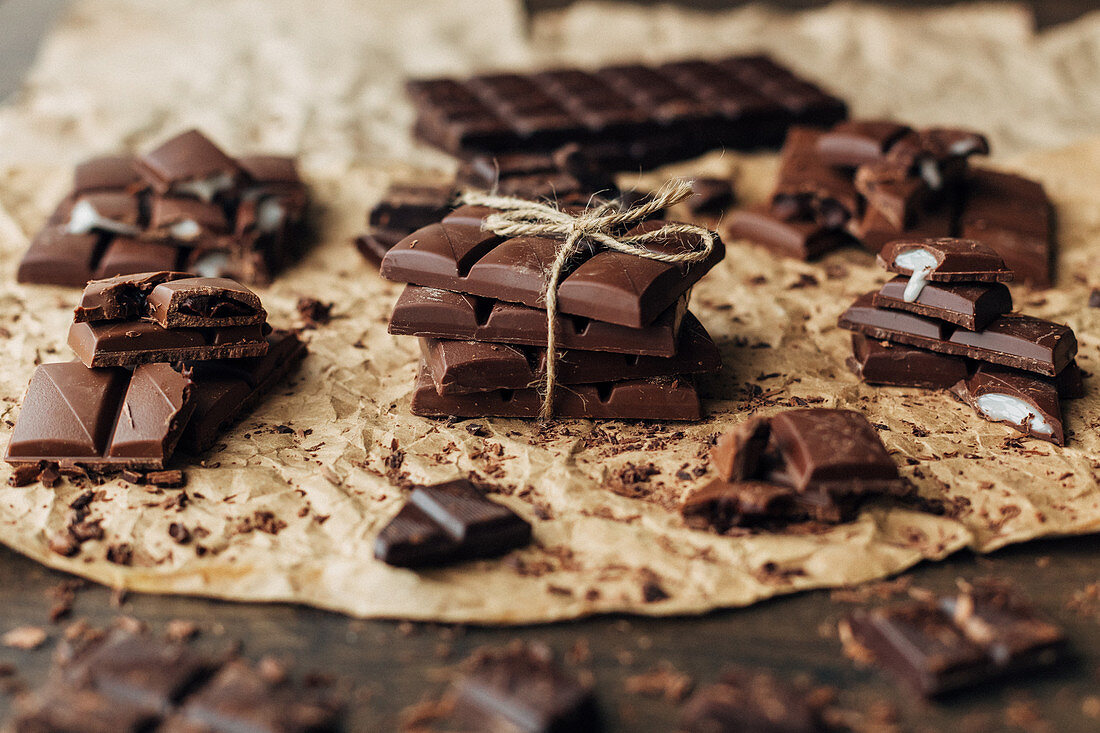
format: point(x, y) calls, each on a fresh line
point(290, 504)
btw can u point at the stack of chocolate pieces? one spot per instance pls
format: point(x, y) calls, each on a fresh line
point(875, 181)
point(814, 464)
point(186, 205)
point(945, 322)
point(165, 358)
point(628, 343)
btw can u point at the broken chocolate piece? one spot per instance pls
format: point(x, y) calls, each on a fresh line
point(945, 259)
point(809, 187)
point(120, 298)
point(897, 365)
point(801, 239)
point(128, 343)
point(745, 701)
point(858, 142)
point(204, 302)
point(710, 196)
point(1025, 401)
point(189, 164)
point(739, 453)
point(972, 305)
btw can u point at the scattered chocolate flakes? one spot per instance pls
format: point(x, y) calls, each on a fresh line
point(805, 280)
point(24, 637)
point(662, 681)
point(180, 630)
point(652, 590)
point(23, 476)
point(121, 554)
point(313, 312)
point(172, 479)
point(131, 476)
point(263, 521)
point(632, 480)
point(64, 544)
point(477, 429)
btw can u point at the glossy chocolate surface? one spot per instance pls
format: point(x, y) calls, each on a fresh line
point(972, 306)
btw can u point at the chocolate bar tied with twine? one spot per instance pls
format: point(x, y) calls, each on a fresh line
point(596, 226)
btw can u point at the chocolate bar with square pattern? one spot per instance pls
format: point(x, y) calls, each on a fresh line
point(128, 343)
point(659, 398)
point(897, 365)
point(1012, 340)
point(459, 367)
point(444, 314)
point(972, 305)
point(606, 285)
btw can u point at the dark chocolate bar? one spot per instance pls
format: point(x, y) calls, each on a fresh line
point(459, 367)
point(808, 188)
point(101, 418)
point(406, 207)
point(748, 701)
point(449, 522)
point(170, 299)
point(945, 259)
point(897, 365)
point(607, 286)
point(801, 239)
point(970, 305)
point(432, 313)
point(645, 115)
point(876, 228)
point(1026, 402)
point(938, 646)
point(855, 143)
point(522, 688)
point(1012, 215)
point(710, 196)
point(723, 505)
point(127, 343)
point(225, 390)
point(109, 173)
point(635, 399)
point(532, 176)
point(1017, 341)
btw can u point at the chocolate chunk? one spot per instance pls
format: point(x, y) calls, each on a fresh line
point(186, 219)
point(112, 212)
point(444, 314)
point(458, 367)
point(1026, 402)
point(751, 702)
point(858, 142)
point(970, 305)
point(521, 688)
point(710, 196)
point(59, 708)
point(406, 208)
point(876, 227)
point(897, 365)
point(807, 186)
point(203, 302)
point(739, 453)
point(723, 505)
point(189, 164)
point(1017, 341)
point(608, 286)
point(937, 646)
point(1013, 216)
point(225, 390)
point(56, 257)
point(109, 173)
point(636, 399)
point(896, 198)
point(945, 259)
point(127, 343)
point(120, 298)
point(103, 418)
point(126, 255)
point(801, 239)
point(449, 522)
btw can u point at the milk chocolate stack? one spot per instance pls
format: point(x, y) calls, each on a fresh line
point(875, 181)
point(945, 322)
point(627, 343)
point(186, 205)
point(165, 358)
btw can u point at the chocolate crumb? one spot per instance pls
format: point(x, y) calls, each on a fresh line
point(662, 681)
point(167, 479)
point(49, 476)
point(180, 630)
point(179, 533)
point(314, 313)
point(121, 554)
point(23, 476)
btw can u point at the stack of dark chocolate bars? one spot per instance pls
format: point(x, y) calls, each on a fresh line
point(185, 206)
point(874, 181)
point(476, 300)
point(945, 322)
point(165, 358)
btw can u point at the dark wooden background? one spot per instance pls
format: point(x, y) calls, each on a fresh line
point(392, 665)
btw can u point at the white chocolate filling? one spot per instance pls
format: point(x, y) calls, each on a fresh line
point(187, 229)
point(1006, 408)
point(84, 218)
point(921, 262)
point(211, 264)
point(269, 215)
point(930, 172)
point(206, 188)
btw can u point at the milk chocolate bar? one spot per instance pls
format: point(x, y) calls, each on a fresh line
point(897, 365)
point(443, 314)
point(635, 399)
point(607, 286)
point(446, 523)
point(559, 176)
point(642, 116)
point(225, 390)
point(1017, 341)
point(972, 306)
point(171, 299)
point(101, 418)
point(941, 645)
point(127, 343)
point(1026, 402)
point(459, 367)
point(801, 239)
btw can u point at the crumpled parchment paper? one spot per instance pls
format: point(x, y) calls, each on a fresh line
point(289, 505)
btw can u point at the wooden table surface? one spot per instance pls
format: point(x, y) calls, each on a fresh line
point(392, 665)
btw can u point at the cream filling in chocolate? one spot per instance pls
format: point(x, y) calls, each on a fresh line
point(206, 188)
point(1006, 408)
point(921, 262)
point(187, 229)
point(84, 218)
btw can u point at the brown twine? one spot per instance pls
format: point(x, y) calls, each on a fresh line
point(516, 217)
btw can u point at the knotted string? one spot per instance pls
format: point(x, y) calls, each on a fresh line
point(596, 226)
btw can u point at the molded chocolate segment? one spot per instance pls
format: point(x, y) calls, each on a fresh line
point(1026, 402)
point(822, 446)
point(127, 343)
point(186, 219)
point(444, 314)
point(56, 257)
point(189, 164)
point(459, 367)
point(739, 453)
point(101, 417)
point(204, 302)
point(1017, 341)
point(896, 365)
point(804, 240)
point(109, 173)
point(807, 187)
point(120, 298)
point(858, 142)
point(956, 260)
point(608, 286)
point(449, 522)
point(406, 208)
point(637, 399)
point(895, 196)
point(125, 255)
point(970, 305)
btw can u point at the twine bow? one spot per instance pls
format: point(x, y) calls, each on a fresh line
point(516, 217)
